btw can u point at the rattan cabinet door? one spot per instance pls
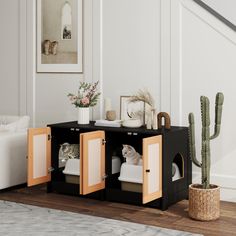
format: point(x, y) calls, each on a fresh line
point(152, 168)
point(39, 156)
point(92, 157)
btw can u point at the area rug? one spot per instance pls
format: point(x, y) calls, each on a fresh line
point(21, 219)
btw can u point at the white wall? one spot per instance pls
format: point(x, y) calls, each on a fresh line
point(131, 48)
point(10, 64)
point(203, 62)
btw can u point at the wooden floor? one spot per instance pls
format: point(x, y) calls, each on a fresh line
point(176, 217)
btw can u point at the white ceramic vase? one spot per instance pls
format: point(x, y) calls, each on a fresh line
point(83, 115)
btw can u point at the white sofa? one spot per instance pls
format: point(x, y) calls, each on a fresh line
point(13, 150)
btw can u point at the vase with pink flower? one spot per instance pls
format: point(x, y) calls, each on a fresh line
point(86, 97)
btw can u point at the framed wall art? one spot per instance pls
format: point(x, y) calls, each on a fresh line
point(59, 36)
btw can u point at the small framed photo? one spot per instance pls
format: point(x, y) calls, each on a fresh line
point(59, 36)
point(129, 110)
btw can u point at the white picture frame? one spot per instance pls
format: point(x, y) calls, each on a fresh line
point(128, 108)
point(64, 52)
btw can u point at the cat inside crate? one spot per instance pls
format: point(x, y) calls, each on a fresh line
point(68, 151)
point(131, 156)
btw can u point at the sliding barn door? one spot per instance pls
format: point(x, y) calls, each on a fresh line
point(92, 157)
point(152, 168)
point(39, 156)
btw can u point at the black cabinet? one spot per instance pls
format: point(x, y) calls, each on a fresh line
point(98, 145)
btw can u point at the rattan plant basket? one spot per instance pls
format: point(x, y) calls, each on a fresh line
point(204, 204)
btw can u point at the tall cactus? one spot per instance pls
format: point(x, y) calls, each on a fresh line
point(205, 152)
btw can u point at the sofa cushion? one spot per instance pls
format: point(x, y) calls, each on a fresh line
point(9, 127)
point(23, 123)
point(7, 119)
point(10, 123)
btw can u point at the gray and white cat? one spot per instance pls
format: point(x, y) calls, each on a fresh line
point(131, 156)
point(68, 151)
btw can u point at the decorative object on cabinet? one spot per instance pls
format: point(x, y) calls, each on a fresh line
point(166, 120)
point(132, 123)
point(150, 112)
point(111, 115)
point(108, 123)
point(100, 151)
point(83, 115)
point(154, 119)
point(131, 110)
point(107, 105)
point(204, 199)
point(86, 97)
point(59, 48)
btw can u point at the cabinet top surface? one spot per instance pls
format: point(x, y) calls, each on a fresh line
point(91, 126)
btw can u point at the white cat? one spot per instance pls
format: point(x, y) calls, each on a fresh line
point(131, 156)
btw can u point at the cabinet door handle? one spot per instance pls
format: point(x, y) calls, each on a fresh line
point(104, 177)
point(50, 169)
point(148, 171)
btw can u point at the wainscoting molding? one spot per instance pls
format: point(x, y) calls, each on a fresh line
point(226, 182)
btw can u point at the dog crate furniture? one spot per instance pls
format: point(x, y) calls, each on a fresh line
point(99, 149)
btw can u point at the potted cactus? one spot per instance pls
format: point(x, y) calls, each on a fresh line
point(204, 198)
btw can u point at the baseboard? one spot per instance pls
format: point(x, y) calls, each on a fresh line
point(13, 187)
point(226, 182)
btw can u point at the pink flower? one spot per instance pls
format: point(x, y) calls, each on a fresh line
point(87, 95)
point(85, 101)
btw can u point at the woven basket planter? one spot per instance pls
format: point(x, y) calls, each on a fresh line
point(204, 204)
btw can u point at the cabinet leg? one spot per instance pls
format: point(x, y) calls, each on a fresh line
point(49, 187)
point(164, 205)
point(102, 196)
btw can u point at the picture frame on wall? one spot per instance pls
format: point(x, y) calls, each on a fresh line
point(129, 110)
point(59, 36)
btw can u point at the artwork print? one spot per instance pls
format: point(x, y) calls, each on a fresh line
point(59, 35)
